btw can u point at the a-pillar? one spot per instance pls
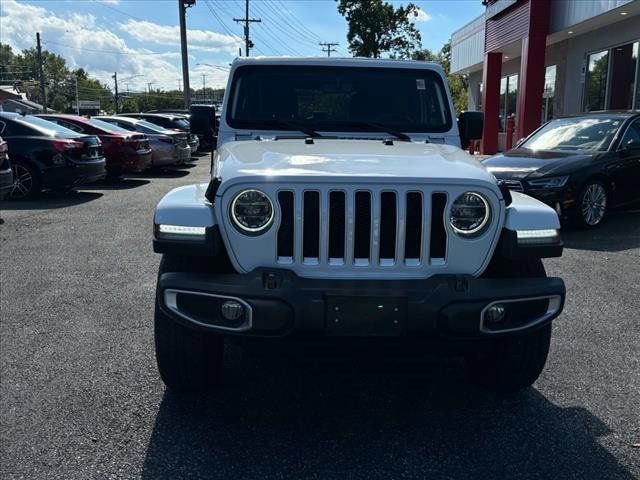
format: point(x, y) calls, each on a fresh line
point(532, 69)
point(491, 102)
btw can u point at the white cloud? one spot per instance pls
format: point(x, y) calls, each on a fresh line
point(421, 16)
point(110, 2)
point(204, 40)
point(84, 42)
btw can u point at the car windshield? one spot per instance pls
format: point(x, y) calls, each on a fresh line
point(338, 99)
point(181, 123)
point(108, 127)
point(149, 127)
point(47, 127)
point(580, 133)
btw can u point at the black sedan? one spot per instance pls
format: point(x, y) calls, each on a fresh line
point(582, 165)
point(45, 155)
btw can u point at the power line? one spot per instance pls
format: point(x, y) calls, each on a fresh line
point(247, 21)
point(115, 52)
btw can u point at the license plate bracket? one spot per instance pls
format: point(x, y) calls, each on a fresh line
point(365, 316)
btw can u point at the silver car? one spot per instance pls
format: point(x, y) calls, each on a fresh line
point(169, 147)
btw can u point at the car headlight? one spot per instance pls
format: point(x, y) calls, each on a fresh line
point(252, 212)
point(550, 182)
point(470, 214)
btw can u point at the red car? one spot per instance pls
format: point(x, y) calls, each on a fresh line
point(124, 151)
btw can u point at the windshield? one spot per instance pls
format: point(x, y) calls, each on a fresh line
point(338, 99)
point(148, 127)
point(581, 133)
point(108, 127)
point(47, 127)
point(181, 123)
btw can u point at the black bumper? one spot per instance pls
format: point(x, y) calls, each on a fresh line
point(75, 173)
point(284, 304)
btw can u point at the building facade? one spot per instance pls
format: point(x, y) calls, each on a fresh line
point(537, 59)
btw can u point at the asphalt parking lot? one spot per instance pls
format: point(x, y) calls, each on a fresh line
point(81, 398)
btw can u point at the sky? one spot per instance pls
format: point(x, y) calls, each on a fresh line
point(140, 39)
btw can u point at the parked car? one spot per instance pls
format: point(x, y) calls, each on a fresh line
point(168, 147)
point(203, 124)
point(169, 121)
point(124, 151)
point(582, 165)
point(46, 155)
point(351, 227)
point(6, 174)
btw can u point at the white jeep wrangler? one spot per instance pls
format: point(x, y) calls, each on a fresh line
point(342, 211)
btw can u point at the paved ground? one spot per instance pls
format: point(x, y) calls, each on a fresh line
point(81, 399)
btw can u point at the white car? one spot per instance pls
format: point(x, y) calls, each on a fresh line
point(342, 211)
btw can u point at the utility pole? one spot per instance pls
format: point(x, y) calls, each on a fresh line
point(117, 99)
point(329, 48)
point(77, 99)
point(246, 20)
point(203, 88)
point(182, 6)
point(43, 91)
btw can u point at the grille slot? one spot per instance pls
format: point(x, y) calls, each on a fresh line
point(438, 244)
point(413, 237)
point(362, 228)
point(285, 232)
point(311, 227)
point(388, 226)
point(337, 219)
point(377, 228)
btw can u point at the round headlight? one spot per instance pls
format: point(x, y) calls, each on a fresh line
point(470, 214)
point(251, 211)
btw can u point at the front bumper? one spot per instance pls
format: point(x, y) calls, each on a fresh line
point(279, 303)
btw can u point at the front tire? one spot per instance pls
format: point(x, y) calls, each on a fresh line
point(189, 360)
point(515, 362)
point(592, 204)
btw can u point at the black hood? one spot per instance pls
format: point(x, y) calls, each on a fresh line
point(520, 163)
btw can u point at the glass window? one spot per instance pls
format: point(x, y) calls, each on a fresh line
point(579, 133)
point(47, 127)
point(338, 99)
point(632, 133)
point(107, 127)
point(596, 81)
point(636, 59)
point(508, 98)
point(549, 93)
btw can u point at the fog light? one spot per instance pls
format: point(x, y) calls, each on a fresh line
point(232, 310)
point(495, 313)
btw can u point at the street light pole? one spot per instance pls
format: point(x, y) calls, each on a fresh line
point(182, 6)
point(77, 99)
point(115, 79)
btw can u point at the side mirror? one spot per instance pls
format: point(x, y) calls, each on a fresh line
point(470, 126)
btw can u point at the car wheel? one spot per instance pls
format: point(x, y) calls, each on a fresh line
point(26, 181)
point(592, 204)
point(513, 362)
point(189, 361)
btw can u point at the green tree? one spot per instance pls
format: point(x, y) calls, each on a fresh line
point(376, 27)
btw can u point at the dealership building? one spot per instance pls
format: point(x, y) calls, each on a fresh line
point(533, 60)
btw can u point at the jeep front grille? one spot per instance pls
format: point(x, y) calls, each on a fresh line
point(361, 228)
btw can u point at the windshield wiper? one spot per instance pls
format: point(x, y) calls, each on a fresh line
point(380, 128)
point(296, 126)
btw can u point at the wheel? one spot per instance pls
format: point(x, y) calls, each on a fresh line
point(592, 204)
point(189, 361)
point(513, 363)
point(26, 181)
